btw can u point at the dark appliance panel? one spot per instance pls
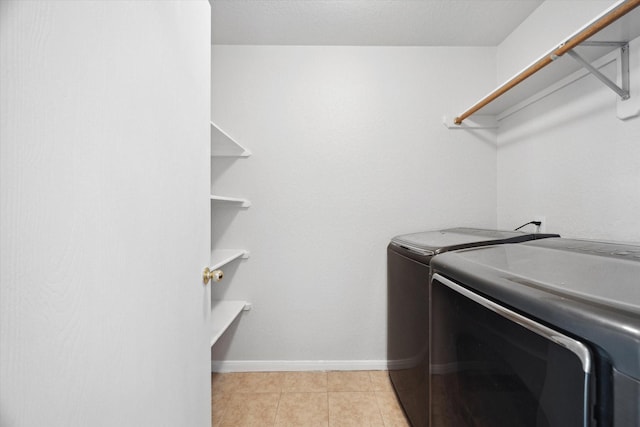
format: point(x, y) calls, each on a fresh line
point(493, 367)
point(408, 272)
point(408, 334)
point(586, 290)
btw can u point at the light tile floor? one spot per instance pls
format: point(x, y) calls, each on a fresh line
point(305, 399)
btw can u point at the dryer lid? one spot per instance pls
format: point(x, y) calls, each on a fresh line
point(439, 241)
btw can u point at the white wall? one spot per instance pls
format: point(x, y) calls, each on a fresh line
point(348, 150)
point(544, 29)
point(567, 157)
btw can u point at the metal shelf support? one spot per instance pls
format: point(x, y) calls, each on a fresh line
point(623, 92)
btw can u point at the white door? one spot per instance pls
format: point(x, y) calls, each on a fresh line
point(104, 179)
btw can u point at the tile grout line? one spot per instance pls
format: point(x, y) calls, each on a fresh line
point(275, 417)
point(375, 386)
point(375, 397)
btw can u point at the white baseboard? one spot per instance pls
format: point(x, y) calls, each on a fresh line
point(297, 365)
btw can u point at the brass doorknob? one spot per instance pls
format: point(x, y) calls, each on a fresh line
point(215, 275)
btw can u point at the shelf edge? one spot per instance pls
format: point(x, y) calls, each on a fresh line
point(224, 313)
point(479, 121)
point(245, 203)
point(216, 129)
point(225, 256)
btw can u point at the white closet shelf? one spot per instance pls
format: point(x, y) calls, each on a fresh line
point(221, 257)
point(235, 200)
point(223, 145)
point(223, 313)
point(603, 35)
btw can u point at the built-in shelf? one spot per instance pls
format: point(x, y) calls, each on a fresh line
point(233, 200)
point(602, 36)
point(221, 257)
point(223, 313)
point(223, 145)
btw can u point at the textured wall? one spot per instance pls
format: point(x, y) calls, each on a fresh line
point(568, 158)
point(349, 150)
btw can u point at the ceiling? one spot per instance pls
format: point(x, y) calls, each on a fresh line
point(367, 22)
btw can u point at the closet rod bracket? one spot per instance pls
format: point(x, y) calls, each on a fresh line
point(623, 92)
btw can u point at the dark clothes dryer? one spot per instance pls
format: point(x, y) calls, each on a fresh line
point(408, 271)
point(543, 333)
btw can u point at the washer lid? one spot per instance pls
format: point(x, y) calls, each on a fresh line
point(435, 242)
point(590, 289)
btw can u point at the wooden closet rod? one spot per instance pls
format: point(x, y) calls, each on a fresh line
point(574, 41)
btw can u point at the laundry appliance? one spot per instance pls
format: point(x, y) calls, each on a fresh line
point(408, 259)
point(542, 333)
